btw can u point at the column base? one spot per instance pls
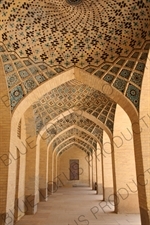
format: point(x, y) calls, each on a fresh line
point(7, 218)
point(50, 189)
point(43, 194)
point(31, 204)
point(2, 218)
point(127, 204)
point(145, 216)
point(108, 192)
point(99, 189)
point(16, 211)
point(94, 186)
point(20, 207)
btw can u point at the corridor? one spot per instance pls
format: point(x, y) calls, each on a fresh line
point(77, 206)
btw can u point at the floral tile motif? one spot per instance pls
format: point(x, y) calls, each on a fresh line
point(23, 73)
point(38, 44)
point(125, 73)
point(5, 58)
point(8, 68)
point(16, 95)
point(12, 80)
point(133, 93)
point(120, 84)
point(140, 67)
point(109, 78)
point(137, 79)
point(30, 84)
point(40, 78)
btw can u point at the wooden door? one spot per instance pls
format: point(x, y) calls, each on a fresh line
point(74, 169)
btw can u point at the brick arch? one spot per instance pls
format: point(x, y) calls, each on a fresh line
point(72, 139)
point(45, 151)
point(81, 154)
point(71, 144)
point(85, 78)
point(85, 115)
point(80, 129)
point(109, 91)
point(142, 148)
point(73, 73)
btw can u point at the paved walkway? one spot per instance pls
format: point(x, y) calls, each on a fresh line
point(77, 206)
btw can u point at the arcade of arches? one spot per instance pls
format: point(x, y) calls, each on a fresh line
point(74, 103)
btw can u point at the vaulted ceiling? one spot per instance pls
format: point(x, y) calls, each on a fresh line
point(77, 96)
point(67, 34)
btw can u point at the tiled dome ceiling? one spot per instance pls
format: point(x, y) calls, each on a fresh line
point(66, 33)
point(43, 38)
point(74, 2)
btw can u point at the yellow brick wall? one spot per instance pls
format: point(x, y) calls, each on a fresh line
point(145, 128)
point(43, 170)
point(5, 123)
point(124, 162)
point(107, 162)
point(73, 153)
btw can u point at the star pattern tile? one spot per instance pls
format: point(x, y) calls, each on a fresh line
point(65, 34)
point(41, 39)
point(77, 96)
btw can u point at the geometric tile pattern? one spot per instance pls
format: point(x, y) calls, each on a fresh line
point(74, 120)
point(24, 75)
point(42, 39)
point(77, 96)
point(60, 33)
point(74, 2)
point(16, 94)
point(74, 132)
point(126, 74)
point(75, 140)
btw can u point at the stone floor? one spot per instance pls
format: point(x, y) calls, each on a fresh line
point(77, 206)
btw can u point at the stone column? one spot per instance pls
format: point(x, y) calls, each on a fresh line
point(144, 157)
point(107, 168)
point(32, 165)
point(5, 161)
point(124, 162)
point(43, 173)
point(93, 170)
point(54, 172)
point(99, 170)
point(50, 171)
